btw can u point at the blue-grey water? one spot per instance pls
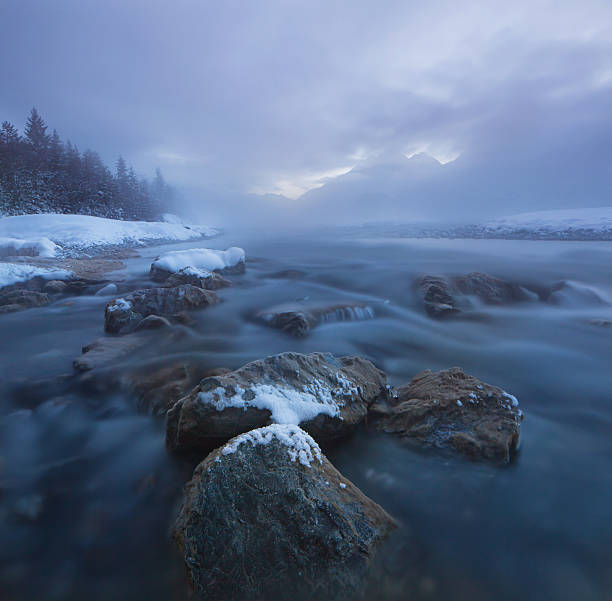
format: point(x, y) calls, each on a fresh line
point(88, 491)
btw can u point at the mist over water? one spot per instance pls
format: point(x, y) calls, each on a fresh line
point(108, 490)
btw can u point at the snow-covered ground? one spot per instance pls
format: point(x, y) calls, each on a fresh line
point(80, 232)
point(200, 258)
point(11, 273)
point(590, 222)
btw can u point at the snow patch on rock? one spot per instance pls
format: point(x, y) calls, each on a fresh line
point(286, 405)
point(300, 445)
point(199, 258)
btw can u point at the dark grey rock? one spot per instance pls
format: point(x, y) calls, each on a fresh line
point(335, 394)
point(276, 521)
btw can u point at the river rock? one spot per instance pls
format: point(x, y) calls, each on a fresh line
point(450, 409)
point(299, 322)
point(444, 296)
point(157, 388)
point(207, 280)
point(122, 315)
point(107, 290)
point(436, 293)
point(327, 396)
point(55, 287)
point(267, 516)
point(153, 322)
point(15, 300)
point(105, 351)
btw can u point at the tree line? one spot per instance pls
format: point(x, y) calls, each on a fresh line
point(41, 174)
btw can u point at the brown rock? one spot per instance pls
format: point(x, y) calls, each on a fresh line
point(450, 409)
point(329, 397)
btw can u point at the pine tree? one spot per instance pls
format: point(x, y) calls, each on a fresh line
point(56, 152)
point(36, 136)
point(9, 136)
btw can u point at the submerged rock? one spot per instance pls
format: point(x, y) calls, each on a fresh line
point(207, 280)
point(452, 410)
point(103, 352)
point(122, 315)
point(444, 296)
point(157, 388)
point(298, 322)
point(327, 396)
point(267, 516)
point(16, 300)
point(107, 290)
point(55, 287)
point(436, 294)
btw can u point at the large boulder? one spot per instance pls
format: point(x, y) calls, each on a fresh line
point(267, 516)
point(208, 280)
point(298, 322)
point(443, 296)
point(122, 315)
point(450, 409)
point(325, 395)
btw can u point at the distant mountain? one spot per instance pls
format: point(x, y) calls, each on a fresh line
point(469, 189)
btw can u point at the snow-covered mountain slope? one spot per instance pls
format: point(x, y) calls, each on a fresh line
point(85, 231)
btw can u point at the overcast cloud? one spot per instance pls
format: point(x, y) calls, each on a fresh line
point(280, 96)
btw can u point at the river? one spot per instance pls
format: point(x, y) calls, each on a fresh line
point(88, 491)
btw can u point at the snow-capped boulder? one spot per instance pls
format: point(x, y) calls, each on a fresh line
point(444, 296)
point(267, 516)
point(222, 261)
point(208, 280)
point(450, 409)
point(122, 315)
point(298, 322)
point(326, 396)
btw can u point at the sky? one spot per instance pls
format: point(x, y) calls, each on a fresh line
point(309, 104)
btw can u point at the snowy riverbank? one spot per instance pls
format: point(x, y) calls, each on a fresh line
point(54, 234)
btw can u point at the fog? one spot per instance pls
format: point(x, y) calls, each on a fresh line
point(284, 112)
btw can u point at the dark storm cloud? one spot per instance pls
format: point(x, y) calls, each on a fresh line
point(279, 95)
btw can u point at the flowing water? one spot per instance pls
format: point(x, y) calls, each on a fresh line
point(88, 491)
